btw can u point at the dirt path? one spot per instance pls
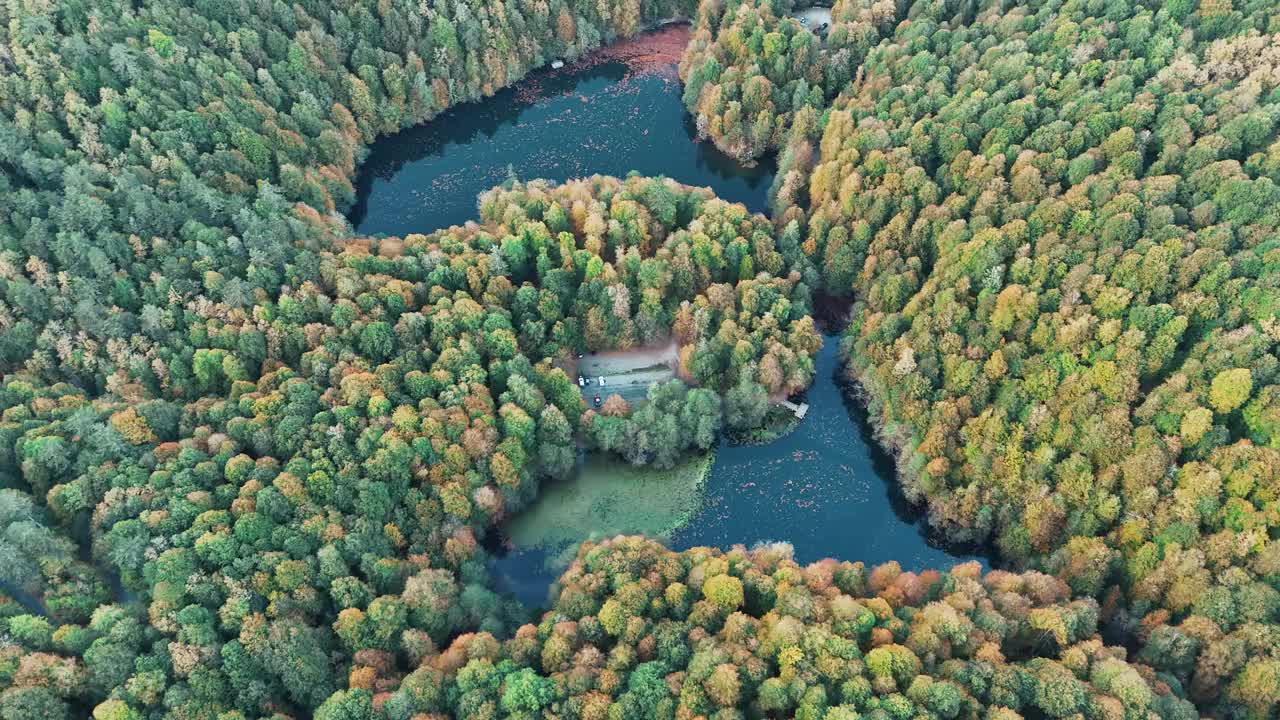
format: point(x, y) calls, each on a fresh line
point(618, 362)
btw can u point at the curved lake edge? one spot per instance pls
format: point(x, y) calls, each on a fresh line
point(536, 128)
point(884, 455)
point(858, 401)
point(356, 211)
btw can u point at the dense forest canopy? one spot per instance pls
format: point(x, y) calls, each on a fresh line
point(1059, 223)
point(247, 458)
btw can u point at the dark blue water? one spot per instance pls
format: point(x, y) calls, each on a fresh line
point(826, 488)
point(607, 119)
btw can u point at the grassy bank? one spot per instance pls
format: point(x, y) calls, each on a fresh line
point(608, 497)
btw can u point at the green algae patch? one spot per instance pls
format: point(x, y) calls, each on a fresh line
point(608, 497)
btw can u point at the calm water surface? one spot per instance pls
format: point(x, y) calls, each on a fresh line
point(826, 488)
point(607, 118)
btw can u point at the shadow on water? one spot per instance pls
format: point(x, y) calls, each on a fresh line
point(886, 468)
point(28, 601)
point(33, 603)
point(527, 573)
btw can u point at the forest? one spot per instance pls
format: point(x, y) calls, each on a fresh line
point(249, 459)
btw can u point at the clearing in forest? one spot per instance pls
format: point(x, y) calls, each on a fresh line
point(628, 373)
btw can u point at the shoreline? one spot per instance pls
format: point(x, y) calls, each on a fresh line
point(858, 402)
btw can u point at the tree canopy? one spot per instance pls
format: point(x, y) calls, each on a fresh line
point(248, 458)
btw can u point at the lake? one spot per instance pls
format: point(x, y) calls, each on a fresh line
point(826, 488)
point(617, 111)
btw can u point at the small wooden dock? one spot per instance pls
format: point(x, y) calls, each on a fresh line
point(800, 410)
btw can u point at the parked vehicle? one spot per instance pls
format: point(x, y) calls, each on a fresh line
point(601, 381)
point(597, 400)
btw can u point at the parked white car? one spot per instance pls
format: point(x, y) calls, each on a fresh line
point(602, 381)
